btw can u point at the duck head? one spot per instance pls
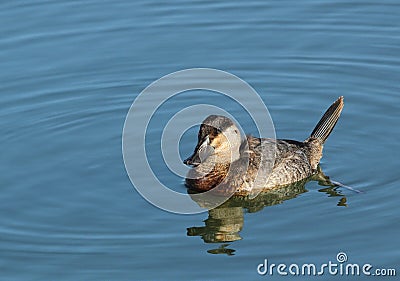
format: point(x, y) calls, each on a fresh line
point(219, 139)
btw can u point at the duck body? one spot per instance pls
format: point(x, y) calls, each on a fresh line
point(222, 160)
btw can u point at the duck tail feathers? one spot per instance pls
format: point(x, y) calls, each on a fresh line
point(328, 121)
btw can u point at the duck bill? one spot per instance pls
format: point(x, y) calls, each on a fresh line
point(193, 160)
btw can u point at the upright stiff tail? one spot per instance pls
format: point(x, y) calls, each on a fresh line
point(328, 121)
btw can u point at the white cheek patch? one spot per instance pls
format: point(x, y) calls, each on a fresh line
point(205, 143)
point(205, 149)
point(205, 152)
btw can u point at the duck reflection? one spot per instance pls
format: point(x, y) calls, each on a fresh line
point(225, 222)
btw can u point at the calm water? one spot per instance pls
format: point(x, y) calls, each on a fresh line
point(69, 73)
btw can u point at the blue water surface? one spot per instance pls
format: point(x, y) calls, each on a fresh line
point(69, 73)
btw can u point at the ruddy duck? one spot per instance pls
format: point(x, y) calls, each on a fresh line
point(222, 160)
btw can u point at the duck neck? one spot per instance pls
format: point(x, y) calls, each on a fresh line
point(211, 171)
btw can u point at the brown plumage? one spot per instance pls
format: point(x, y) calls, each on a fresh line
point(223, 161)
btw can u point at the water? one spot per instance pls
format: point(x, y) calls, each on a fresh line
point(69, 73)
